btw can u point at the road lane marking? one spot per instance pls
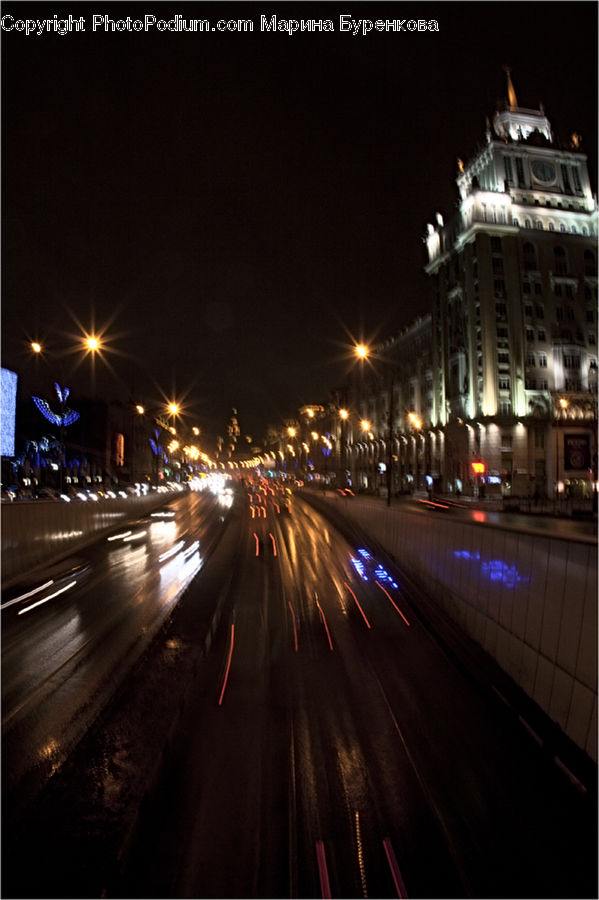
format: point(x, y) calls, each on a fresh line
point(397, 879)
point(325, 887)
point(222, 693)
point(325, 623)
point(393, 602)
point(357, 604)
point(294, 626)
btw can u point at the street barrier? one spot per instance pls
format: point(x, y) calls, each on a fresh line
point(528, 599)
point(40, 532)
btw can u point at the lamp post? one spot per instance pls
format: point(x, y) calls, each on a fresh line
point(416, 425)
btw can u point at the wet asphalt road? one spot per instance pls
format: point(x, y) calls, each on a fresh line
point(328, 747)
point(333, 749)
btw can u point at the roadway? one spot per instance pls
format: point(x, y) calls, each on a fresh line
point(328, 745)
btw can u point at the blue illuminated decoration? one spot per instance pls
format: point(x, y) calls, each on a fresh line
point(494, 569)
point(8, 391)
point(65, 416)
point(368, 565)
point(359, 567)
point(156, 448)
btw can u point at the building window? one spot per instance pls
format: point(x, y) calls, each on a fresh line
point(539, 225)
point(505, 408)
point(566, 179)
point(508, 170)
point(504, 383)
point(503, 358)
point(538, 288)
point(592, 338)
point(530, 384)
point(499, 286)
point(551, 226)
point(516, 222)
point(559, 313)
point(569, 291)
point(539, 439)
point(566, 335)
point(574, 229)
point(520, 171)
point(541, 335)
point(542, 360)
point(561, 265)
point(576, 176)
point(562, 227)
point(530, 360)
point(528, 309)
point(570, 312)
point(501, 332)
point(571, 361)
point(542, 384)
point(590, 315)
point(588, 294)
point(501, 309)
point(592, 362)
point(572, 384)
point(590, 266)
point(526, 287)
point(527, 223)
point(497, 265)
point(530, 335)
point(540, 312)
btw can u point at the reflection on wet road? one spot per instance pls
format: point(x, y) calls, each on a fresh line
point(69, 640)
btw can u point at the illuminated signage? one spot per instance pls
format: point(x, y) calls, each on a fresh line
point(8, 390)
point(478, 468)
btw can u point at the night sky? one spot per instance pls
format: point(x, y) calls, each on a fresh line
point(231, 209)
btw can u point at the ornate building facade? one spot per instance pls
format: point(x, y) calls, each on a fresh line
point(514, 315)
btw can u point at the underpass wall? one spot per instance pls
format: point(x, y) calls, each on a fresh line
point(529, 600)
point(43, 531)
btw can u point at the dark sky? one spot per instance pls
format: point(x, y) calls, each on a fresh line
point(231, 207)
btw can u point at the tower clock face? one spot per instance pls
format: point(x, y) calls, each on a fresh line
point(543, 171)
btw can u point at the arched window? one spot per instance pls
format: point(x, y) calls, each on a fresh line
point(562, 227)
point(551, 226)
point(585, 230)
point(561, 262)
point(527, 223)
point(574, 229)
point(539, 225)
point(590, 265)
point(529, 255)
point(516, 222)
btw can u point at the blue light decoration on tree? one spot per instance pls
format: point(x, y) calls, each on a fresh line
point(156, 447)
point(65, 416)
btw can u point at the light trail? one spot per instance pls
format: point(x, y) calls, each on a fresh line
point(274, 546)
point(360, 854)
point(118, 537)
point(294, 625)
point(397, 879)
point(49, 597)
point(28, 594)
point(168, 553)
point(325, 623)
point(257, 544)
point(325, 887)
point(393, 602)
point(357, 604)
point(222, 693)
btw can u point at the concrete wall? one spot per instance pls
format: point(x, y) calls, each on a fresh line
point(42, 531)
point(528, 599)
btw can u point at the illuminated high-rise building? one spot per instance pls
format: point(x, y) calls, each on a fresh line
point(514, 313)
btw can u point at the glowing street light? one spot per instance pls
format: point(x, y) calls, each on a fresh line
point(416, 422)
point(140, 409)
point(291, 432)
point(173, 408)
point(37, 348)
point(343, 414)
point(365, 425)
point(361, 351)
point(92, 343)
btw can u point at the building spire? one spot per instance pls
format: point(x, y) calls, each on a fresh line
point(511, 93)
